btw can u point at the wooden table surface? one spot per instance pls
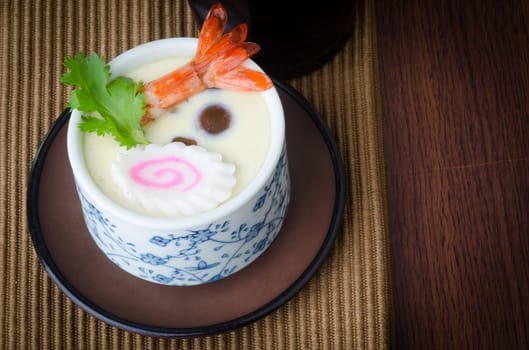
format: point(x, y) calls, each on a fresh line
point(455, 92)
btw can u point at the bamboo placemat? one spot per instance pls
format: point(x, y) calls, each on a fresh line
point(346, 305)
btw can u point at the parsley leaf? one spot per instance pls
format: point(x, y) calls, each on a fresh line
point(119, 102)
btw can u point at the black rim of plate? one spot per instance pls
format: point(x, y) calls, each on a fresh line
point(54, 271)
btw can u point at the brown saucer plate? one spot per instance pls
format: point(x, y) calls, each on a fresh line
point(93, 282)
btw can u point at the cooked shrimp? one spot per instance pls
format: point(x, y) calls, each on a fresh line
point(217, 64)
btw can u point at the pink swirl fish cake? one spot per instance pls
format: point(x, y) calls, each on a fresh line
point(175, 179)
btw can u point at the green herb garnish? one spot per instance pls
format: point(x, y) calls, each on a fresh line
point(120, 102)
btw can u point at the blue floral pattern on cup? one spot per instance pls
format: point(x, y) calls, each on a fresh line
point(199, 255)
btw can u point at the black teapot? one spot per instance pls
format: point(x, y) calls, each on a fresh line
point(295, 37)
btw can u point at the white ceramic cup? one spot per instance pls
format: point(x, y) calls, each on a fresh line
point(196, 249)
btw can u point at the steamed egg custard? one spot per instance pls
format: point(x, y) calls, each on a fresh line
point(233, 125)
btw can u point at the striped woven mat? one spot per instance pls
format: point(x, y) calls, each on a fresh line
point(346, 305)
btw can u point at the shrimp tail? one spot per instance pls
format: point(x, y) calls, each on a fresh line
point(217, 63)
point(212, 29)
point(242, 79)
point(227, 73)
point(220, 48)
